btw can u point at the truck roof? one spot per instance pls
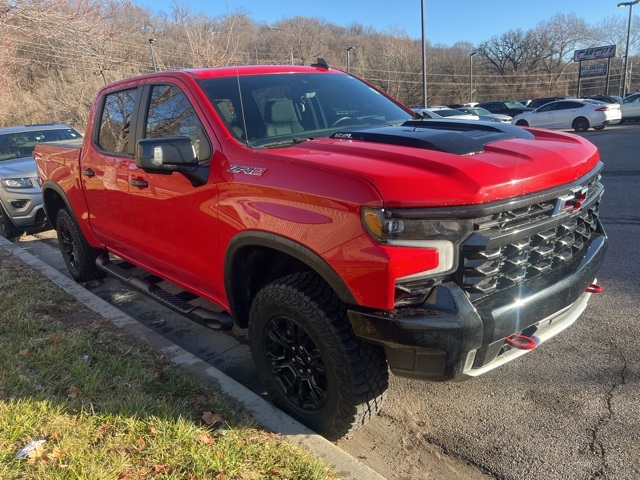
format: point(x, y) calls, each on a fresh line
point(232, 71)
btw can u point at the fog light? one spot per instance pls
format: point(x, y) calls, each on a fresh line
point(18, 203)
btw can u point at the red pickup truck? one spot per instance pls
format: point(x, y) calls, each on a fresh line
point(346, 234)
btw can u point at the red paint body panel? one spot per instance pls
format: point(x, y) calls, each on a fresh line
point(410, 177)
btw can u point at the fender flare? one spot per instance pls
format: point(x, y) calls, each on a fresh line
point(50, 185)
point(254, 238)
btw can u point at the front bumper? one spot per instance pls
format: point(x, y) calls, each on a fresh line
point(24, 207)
point(449, 338)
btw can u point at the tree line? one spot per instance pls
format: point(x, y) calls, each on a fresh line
point(55, 54)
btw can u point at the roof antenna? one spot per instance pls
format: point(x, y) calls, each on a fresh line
point(321, 63)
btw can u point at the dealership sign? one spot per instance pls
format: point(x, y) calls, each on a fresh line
point(597, 70)
point(595, 53)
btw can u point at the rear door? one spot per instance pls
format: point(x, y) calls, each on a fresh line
point(567, 111)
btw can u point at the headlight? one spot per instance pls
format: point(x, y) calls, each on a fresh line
point(17, 182)
point(410, 228)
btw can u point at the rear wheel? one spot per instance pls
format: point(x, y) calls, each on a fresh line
point(522, 123)
point(7, 228)
point(310, 361)
point(79, 256)
point(580, 124)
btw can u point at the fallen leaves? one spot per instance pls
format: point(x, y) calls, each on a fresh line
point(211, 418)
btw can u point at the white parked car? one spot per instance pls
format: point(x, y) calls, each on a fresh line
point(485, 115)
point(444, 112)
point(630, 107)
point(579, 114)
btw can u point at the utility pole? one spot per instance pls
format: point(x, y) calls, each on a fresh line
point(424, 55)
point(153, 54)
point(626, 52)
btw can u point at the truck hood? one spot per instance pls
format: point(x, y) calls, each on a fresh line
point(18, 168)
point(440, 162)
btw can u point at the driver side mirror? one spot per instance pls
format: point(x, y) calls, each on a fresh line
point(166, 154)
point(171, 154)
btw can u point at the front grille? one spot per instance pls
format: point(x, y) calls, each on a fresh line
point(513, 245)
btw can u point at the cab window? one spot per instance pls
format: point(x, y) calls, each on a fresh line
point(115, 121)
point(171, 114)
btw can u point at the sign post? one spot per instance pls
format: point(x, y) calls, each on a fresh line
point(601, 69)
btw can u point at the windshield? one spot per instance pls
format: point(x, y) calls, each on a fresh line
point(446, 112)
point(480, 111)
point(514, 104)
point(282, 108)
point(21, 144)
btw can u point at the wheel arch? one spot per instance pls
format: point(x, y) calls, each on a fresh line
point(54, 198)
point(255, 258)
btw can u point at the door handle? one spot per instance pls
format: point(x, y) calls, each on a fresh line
point(87, 172)
point(139, 183)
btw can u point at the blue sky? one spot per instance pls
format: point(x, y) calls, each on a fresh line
point(447, 21)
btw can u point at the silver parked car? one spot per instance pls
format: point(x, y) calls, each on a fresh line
point(20, 195)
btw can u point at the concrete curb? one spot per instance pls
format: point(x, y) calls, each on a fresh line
point(269, 416)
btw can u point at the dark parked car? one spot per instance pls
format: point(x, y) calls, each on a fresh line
point(538, 102)
point(505, 107)
point(606, 98)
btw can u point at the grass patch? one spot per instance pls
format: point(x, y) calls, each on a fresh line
point(108, 408)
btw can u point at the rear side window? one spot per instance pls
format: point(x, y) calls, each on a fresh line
point(171, 115)
point(115, 122)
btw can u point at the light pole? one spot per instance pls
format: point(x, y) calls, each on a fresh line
point(153, 54)
point(626, 52)
point(471, 76)
point(348, 60)
point(424, 56)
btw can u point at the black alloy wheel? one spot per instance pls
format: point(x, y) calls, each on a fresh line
point(580, 124)
point(310, 361)
point(296, 363)
point(79, 256)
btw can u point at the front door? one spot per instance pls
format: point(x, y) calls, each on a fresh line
point(177, 221)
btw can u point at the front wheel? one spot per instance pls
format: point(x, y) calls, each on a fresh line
point(310, 361)
point(79, 256)
point(580, 124)
point(7, 228)
point(522, 123)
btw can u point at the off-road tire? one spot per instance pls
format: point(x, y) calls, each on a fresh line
point(79, 256)
point(580, 124)
point(522, 123)
point(310, 361)
point(7, 228)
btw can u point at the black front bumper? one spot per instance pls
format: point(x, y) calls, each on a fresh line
point(449, 338)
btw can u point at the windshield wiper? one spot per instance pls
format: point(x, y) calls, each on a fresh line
point(284, 143)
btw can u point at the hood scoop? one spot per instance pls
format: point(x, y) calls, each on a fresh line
point(449, 136)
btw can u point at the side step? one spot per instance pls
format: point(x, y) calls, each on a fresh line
point(208, 318)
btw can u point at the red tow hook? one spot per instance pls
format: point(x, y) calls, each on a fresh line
point(521, 342)
point(594, 288)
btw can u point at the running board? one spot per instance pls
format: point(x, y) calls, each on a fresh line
point(208, 318)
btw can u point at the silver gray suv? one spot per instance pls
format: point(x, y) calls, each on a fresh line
point(20, 195)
